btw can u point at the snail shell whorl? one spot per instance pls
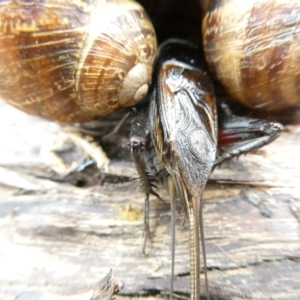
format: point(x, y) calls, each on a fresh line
point(73, 61)
point(254, 48)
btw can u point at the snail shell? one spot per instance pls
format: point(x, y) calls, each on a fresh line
point(254, 49)
point(74, 61)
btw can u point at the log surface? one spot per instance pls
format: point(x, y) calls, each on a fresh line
point(58, 240)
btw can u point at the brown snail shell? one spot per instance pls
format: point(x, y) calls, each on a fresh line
point(254, 49)
point(74, 61)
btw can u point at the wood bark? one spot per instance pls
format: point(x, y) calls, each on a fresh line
point(59, 240)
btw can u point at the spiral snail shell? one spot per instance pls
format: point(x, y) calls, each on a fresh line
point(73, 61)
point(254, 49)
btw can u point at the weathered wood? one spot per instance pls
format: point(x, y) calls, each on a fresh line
point(57, 239)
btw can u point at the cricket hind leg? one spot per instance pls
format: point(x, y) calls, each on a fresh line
point(172, 192)
point(148, 182)
point(202, 239)
point(240, 135)
point(139, 148)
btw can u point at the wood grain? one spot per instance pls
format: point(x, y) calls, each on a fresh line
point(60, 240)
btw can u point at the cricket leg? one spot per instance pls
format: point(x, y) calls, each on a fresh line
point(239, 135)
point(172, 193)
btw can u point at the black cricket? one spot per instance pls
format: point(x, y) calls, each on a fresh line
point(183, 136)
